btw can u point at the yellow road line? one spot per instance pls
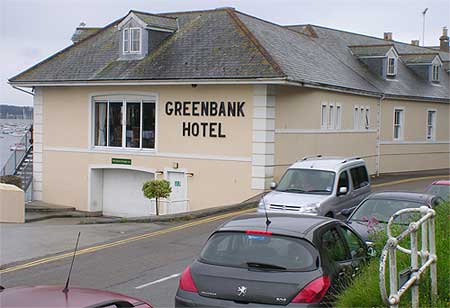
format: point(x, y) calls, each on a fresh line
point(411, 180)
point(168, 230)
point(121, 242)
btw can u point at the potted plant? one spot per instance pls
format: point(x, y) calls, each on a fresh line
point(156, 189)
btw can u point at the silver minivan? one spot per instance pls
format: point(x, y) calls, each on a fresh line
point(319, 186)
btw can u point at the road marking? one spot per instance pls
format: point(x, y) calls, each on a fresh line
point(411, 180)
point(158, 281)
point(122, 242)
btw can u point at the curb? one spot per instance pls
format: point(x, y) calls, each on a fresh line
point(175, 217)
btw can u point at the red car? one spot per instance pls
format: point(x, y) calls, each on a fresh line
point(440, 188)
point(53, 296)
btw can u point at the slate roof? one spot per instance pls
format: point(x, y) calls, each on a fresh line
point(426, 58)
point(157, 20)
point(227, 44)
point(82, 33)
point(370, 50)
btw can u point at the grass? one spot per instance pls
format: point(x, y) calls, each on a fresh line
point(364, 290)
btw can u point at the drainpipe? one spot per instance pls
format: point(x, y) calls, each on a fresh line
point(378, 141)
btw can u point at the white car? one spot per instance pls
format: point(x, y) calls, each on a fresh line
point(319, 186)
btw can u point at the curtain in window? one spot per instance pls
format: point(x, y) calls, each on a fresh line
point(100, 124)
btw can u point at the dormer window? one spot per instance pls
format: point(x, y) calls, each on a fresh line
point(435, 72)
point(132, 40)
point(392, 67)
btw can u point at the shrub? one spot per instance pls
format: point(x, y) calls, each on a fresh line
point(11, 179)
point(364, 290)
point(156, 189)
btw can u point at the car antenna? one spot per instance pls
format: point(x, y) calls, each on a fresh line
point(66, 288)
point(268, 222)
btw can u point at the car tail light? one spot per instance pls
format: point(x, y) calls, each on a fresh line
point(258, 232)
point(186, 281)
point(313, 292)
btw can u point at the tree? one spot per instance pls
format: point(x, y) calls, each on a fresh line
point(156, 189)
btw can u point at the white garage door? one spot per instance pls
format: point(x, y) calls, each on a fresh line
point(122, 193)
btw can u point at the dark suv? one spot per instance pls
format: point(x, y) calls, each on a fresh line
point(295, 259)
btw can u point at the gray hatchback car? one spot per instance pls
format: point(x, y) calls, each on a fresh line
point(294, 261)
point(319, 186)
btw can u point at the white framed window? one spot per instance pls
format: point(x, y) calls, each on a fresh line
point(431, 125)
point(126, 40)
point(356, 117)
point(331, 118)
point(323, 115)
point(367, 118)
point(435, 72)
point(132, 40)
point(338, 116)
point(123, 123)
point(398, 123)
point(391, 66)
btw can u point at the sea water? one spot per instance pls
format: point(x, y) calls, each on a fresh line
point(6, 140)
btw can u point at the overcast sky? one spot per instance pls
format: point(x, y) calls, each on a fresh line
point(32, 30)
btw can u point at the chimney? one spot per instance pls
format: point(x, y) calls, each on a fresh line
point(415, 42)
point(387, 36)
point(444, 40)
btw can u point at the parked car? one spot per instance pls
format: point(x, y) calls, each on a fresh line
point(53, 296)
point(319, 186)
point(294, 261)
point(374, 212)
point(440, 188)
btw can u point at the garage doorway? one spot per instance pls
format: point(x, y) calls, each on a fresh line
point(118, 192)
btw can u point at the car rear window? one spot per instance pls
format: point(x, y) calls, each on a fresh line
point(237, 249)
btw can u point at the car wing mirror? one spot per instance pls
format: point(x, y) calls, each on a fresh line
point(273, 185)
point(347, 212)
point(342, 190)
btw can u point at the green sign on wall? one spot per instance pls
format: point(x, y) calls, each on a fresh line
point(121, 161)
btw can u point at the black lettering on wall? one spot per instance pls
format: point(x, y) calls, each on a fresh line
point(213, 109)
point(205, 109)
point(178, 107)
point(169, 108)
point(231, 109)
point(186, 129)
point(220, 131)
point(195, 109)
point(222, 112)
point(186, 112)
point(195, 129)
point(240, 112)
point(204, 126)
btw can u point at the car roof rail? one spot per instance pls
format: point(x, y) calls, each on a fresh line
point(350, 159)
point(312, 156)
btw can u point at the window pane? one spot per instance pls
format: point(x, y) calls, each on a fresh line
point(356, 118)
point(115, 124)
point(338, 117)
point(324, 116)
point(332, 246)
point(126, 40)
point(357, 249)
point(343, 180)
point(100, 123)
point(148, 124)
point(360, 177)
point(135, 39)
point(133, 133)
point(331, 117)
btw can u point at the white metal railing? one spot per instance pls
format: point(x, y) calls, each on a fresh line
point(427, 256)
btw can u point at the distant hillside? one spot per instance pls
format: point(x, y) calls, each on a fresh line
point(16, 112)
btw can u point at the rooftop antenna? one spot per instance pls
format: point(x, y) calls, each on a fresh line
point(66, 288)
point(268, 222)
point(423, 27)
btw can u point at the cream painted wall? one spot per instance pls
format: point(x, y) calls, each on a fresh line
point(223, 177)
point(414, 152)
point(69, 108)
point(215, 183)
point(299, 108)
point(298, 127)
point(415, 120)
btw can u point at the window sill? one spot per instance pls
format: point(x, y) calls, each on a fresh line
point(120, 150)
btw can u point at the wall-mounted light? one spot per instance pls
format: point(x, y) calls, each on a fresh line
point(175, 165)
point(159, 172)
point(189, 174)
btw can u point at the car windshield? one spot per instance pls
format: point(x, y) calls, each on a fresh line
point(381, 210)
point(307, 181)
point(258, 251)
point(442, 191)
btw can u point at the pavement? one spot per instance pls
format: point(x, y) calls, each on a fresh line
point(139, 259)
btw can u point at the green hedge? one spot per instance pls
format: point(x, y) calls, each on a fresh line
point(11, 179)
point(364, 290)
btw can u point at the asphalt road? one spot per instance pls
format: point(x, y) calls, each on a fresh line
point(147, 268)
